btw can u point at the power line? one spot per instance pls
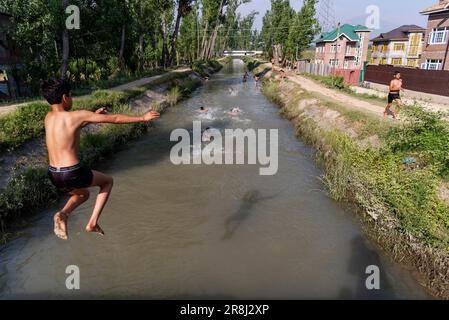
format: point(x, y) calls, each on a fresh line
point(326, 15)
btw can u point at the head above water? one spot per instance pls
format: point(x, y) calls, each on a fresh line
point(57, 92)
point(397, 75)
point(201, 108)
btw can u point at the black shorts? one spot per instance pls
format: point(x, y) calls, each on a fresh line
point(393, 96)
point(71, 178)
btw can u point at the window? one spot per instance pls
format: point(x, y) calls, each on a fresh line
point(384, 48)
point(375, 48)
point(349, 50)
point(383, 61)
point(399, 47)
point(432, 64)
point(335, 48)
point(334, 62)
point(346, 64)
point(415, 41)
point(372, 61)
point(396, 61)
point(412, 63)
point(438, 35)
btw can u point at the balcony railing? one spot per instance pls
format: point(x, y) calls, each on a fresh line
point(431, 66)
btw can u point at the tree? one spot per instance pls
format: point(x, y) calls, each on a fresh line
point(184, 8)
point(304, 28)
point(286, 32)
point(65, 44)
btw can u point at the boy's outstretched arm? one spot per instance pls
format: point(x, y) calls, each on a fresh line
point(87, 117)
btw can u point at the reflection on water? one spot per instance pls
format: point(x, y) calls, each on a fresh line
point(207, 231)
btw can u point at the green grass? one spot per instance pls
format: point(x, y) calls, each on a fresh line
point(376, 179)
point(173, 96)
point(26, 123)
point(271, 90)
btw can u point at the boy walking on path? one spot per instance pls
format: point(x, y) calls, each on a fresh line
point(394, 95)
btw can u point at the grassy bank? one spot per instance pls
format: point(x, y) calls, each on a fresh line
point(26, 123)
point(28, 188)
point(393, 174)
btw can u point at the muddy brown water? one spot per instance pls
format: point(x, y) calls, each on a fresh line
point(212, 232)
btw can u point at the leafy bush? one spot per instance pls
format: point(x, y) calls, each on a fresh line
point(29, 189)
point(332, 82)
point(22, 125)
point(424, 135)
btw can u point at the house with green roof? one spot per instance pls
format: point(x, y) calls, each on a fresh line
point(346, 47)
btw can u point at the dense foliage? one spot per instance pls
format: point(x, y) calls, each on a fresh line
point(121, 38)
point(287, 33)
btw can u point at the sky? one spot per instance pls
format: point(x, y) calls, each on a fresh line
point(393, 13)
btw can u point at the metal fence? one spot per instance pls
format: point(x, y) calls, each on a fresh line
point(428, 81)
point(314, 68)
point(351, 76)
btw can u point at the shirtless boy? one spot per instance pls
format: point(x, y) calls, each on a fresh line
point(63, 130)
point(395, 94)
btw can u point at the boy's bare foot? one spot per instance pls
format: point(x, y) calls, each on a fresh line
point(60, 229)
point(95, 229)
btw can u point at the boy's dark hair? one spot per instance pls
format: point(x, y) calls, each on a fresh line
point(397, 72)
point(53, 89)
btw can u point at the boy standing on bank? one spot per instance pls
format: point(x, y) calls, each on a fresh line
point(63, 129)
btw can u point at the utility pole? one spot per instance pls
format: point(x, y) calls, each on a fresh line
point(336, 53)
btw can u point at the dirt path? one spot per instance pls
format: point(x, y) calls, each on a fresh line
point(311, 86)
point(126, 86)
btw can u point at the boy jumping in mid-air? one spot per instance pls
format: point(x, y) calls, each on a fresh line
point(63, 129)
point(394, 95)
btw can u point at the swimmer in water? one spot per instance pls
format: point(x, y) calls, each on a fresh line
point(235, 111)
point(203, 110)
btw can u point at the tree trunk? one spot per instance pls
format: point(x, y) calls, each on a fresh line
point(65, 45)
point(211, 46)
point(173, 54)
point(164, 45)
point(204, 41)
point(141, 52)
point(121, 57)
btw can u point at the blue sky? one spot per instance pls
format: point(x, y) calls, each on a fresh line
point(393, 13)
